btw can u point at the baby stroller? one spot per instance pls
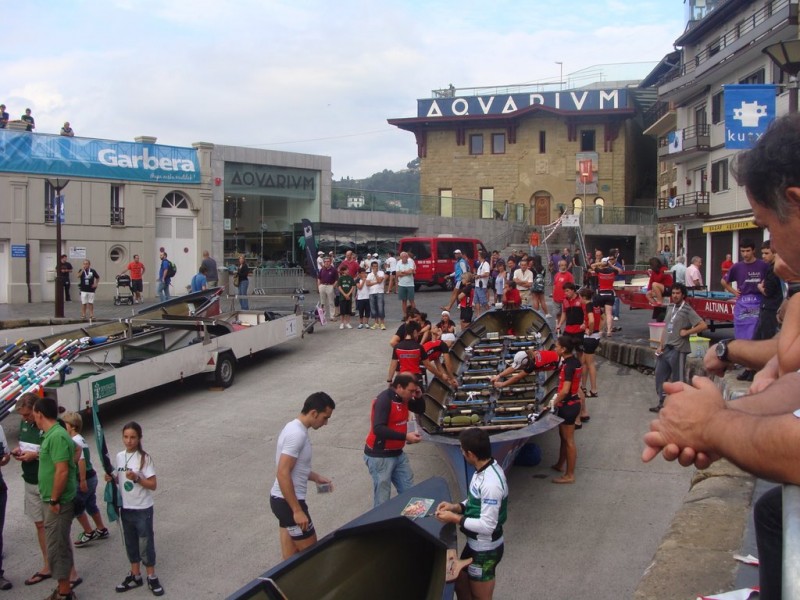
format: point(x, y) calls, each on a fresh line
point(123, 294)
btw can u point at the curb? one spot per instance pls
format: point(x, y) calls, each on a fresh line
point(695, 555)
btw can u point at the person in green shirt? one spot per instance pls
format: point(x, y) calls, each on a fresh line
point(345, 284)
point(57, 486)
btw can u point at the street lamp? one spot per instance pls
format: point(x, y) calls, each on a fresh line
point(59, 184)
point(561, 75)
point(786, 55)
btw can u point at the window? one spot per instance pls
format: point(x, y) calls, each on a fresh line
point(542, 142)
point(487, 203)
point(714, 47)
point(716, 107)
point(719, 176)
point(700, 117)
point(49, 203)
point(498, 143)
point(587, 140)
point(117, 209)
point(577, 205)
point(420, 250)
point(446, 203)
point(175, 200)
point(116, 254)
point(476, 143)
point(754, 78)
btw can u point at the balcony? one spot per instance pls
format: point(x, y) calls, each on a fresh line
point(118, 216)
point(660, 119)
point(688, 142)
point(683, 206)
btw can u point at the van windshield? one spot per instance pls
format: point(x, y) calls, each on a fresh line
point(419, 250)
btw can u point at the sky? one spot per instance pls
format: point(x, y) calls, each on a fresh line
point(311, 76)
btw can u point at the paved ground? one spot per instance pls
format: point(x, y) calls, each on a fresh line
point(214, 452)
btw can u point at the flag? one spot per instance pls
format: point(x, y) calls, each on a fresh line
point(749, 109)
point(311, 246)
point(110, 495)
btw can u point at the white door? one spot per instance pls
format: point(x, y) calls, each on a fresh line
point(48, 258)
point(176, 234)
point(5, 266)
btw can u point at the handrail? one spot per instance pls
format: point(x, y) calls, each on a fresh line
point(791, 541)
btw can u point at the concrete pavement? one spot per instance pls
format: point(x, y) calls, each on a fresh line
point(215, 453)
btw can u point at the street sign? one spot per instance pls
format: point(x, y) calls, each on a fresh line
point(19, 251)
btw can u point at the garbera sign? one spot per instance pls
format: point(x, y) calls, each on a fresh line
point(24, 152)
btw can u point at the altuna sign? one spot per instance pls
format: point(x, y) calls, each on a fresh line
point(500, 104)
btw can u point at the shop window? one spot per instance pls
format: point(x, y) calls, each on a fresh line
point(476, 143)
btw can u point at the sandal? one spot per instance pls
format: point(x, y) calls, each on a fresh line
point(37, 578)
point(75, 583)
point(586, 419)
point(591, 394)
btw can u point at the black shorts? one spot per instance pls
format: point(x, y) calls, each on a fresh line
point(280, 508)
point(345, 305)
point(590, 344)
point(578, 338)
point(569, 412)
point(466, 314)
point(136, 285)
point(602, 299)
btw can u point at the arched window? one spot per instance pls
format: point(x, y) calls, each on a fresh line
point(175, 200)
point(577, 205)
point(599, 201)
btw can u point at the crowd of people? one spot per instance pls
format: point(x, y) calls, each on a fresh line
point(60, 484)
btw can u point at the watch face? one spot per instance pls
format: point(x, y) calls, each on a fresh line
point(722, 350)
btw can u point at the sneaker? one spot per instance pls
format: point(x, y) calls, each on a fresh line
point(85, 539)
point(383, 327)
point(5, 584)
point(130, 582)
point(373, 326)
point(101, 533)
point(616, 318)
point(155, 586)
point(349, 326)
point(341, 325)
point(360, 326)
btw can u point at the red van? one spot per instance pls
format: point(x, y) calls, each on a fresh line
point(435, 257)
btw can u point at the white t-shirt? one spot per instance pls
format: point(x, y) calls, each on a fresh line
point(5, 449)
point(362, 293)
point(406, 280)
point(319, 263)
point(294, 441)
point(391, 264)
point(374, 287)
point(482, 276)
point(133, 494)
point(526, 276)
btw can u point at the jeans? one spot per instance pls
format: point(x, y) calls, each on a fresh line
point(615, 309)
point(137, 527)
point(244, 285)
point(163, 290)
point(376, 306)
point(670, 365)
point(768, 517)
point(87, 501)
point(386, 471)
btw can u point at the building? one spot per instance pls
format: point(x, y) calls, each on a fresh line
point(126, 198)
point(700, 206)
point(530, 155)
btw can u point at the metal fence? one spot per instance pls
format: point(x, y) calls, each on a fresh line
point(267, 280)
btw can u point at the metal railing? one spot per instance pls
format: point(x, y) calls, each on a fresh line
point(618, 215)
point(688, 200)
point(271, 279)
point(118, 216)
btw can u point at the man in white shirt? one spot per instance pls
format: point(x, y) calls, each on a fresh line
point(679, 270)
point(481, 301)
point(391, 270)
point(694, 279)
point(405, 281)
point(523, 277)
point(293, 460)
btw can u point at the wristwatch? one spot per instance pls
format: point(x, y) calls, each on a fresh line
point(54, 502)
point(722, 350)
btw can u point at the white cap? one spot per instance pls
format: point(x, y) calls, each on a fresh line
point(448, 337)
point(375, 255)
point(520, 359)
point(605, 260)
point(456, 251)
point(445, 312)
point(320, 253)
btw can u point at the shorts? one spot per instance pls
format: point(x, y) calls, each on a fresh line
point(578, 338)
point(345, 306)
point(33, 503)
point(484, 563)
point(466, 314)
point(280, 508)
point(569, 412)
point(480, 296)
point(137, 285)
point(590, 344)
point(604, 300)
point(405, 292)
point(87, 297)
point(558, 308)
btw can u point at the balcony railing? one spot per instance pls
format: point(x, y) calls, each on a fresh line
point(618, 215)
point(50, 213)
point(694, 139)
point(683, 205)
point(118, 216)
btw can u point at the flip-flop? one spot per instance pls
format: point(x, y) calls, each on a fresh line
point(37, 578)
point(75, 583)
point(591, 394)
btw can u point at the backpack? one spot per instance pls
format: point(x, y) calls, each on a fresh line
point(171, 269)
point(538, 283)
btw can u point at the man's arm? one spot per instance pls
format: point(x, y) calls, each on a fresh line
point(765, 443)
point(753, 354)
point(59, 479)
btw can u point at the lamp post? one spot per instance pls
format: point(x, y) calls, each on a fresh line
point(59, 184)
point(786, 55)
point(561, 75)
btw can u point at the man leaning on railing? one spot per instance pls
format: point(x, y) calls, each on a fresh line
point(760, 433)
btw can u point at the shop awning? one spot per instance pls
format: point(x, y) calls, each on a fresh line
point(730, 225)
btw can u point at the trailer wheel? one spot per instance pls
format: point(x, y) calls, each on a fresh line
point(226, 367)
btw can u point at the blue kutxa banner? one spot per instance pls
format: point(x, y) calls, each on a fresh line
point(25, 152)
point(749, 109)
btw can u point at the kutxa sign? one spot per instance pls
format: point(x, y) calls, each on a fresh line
point(499, 104)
